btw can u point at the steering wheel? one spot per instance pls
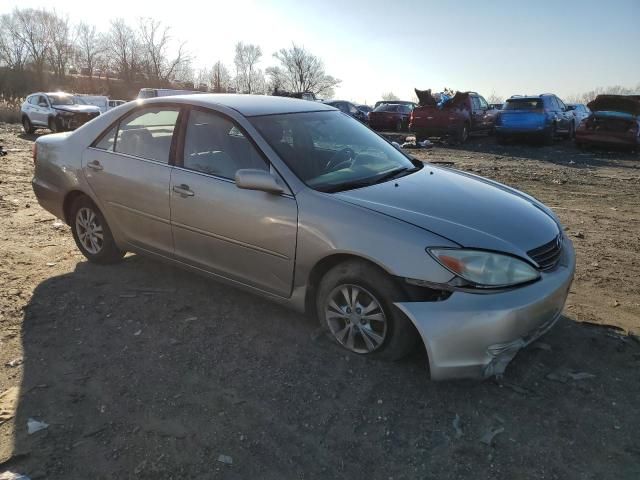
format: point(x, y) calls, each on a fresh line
point(345, 156)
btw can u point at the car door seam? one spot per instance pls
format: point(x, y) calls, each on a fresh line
point(229, 240)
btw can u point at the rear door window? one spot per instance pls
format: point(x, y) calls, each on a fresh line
point(148, 133)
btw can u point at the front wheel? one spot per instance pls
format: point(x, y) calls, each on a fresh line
point(53, 125)
point(27, 126)
point(92, 233)
point(571, 132)
point(355, 305)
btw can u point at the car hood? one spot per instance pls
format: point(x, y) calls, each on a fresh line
point(77, 108)
point(471, 211)
point(616, 103)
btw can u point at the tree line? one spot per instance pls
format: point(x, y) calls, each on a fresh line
point(42, 49)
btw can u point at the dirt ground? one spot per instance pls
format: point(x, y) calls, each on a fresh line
point(144, 371)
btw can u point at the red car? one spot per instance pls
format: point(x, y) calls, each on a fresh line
point(462, 114)
point(391, 116)
point(614, 120)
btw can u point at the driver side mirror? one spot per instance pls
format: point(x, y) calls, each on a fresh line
point(254, 179)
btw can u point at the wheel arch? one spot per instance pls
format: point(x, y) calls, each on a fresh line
point(325, 264)
point(68, 201)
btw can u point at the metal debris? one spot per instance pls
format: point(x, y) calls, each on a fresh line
point(488, 437)
point(34, 426)
point(16, 362)
point(12, 476)
point(456, 426)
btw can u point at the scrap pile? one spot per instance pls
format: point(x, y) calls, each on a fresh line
point(447, 98)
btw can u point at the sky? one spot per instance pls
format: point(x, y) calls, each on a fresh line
point(504, 47)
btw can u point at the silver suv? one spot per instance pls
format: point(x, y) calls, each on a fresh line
point(56, 111)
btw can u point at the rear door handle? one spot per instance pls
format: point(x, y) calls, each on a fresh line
point(95, 165)
point(183, 190)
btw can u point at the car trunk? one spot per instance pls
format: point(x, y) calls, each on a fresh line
point(384, 119)
point(610, 122)
point(522, 119)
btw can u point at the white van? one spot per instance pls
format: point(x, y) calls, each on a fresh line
point(163, 92)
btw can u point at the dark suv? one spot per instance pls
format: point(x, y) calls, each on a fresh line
point(544, 116)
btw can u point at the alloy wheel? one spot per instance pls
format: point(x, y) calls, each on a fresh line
point(355, 318)
point(89, 230)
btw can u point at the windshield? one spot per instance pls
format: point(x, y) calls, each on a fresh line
point(330, 151)
point(523, 104)
point(61, 100)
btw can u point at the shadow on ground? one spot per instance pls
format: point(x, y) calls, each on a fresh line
point(144, 371)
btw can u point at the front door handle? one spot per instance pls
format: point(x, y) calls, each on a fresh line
point(95, 165)
point(183, 190)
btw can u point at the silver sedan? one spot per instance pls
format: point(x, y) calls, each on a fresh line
point(298, 202)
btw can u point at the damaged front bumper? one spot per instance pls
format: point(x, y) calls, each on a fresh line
point(476, 335)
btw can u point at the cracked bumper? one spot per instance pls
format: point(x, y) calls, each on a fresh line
point(477, 335)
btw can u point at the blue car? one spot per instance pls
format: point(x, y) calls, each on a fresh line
point(542, 116)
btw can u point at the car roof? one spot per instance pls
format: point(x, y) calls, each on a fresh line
point(247, 105)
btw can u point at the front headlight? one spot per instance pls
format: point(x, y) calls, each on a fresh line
point(485, 269)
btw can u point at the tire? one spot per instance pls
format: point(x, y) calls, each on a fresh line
point(382, 333)
point(27, 125)
point(102, 251)
point(53, 125)
point(549, 136)
point(571, 132)
point(463, 134)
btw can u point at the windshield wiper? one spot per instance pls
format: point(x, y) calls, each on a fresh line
point(398, 172)
point(345, 186)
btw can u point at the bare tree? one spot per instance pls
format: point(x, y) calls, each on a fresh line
point(13, 49)
point(300, 71)
point(493, 98)
point(388, 96)
point(124, 50)
point(34, 30)
point(61, 49)
point(248, 78)
point(220, 79)
point(586, 97)
point(156, 42)
point(89, 47)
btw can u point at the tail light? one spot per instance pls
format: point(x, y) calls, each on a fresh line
point(411, 118)
point(34, 152)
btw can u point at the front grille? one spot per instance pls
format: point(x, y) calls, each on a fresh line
point(547, 255)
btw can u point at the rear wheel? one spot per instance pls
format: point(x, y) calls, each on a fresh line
point(549, 136)
point(463, 133)
point(92, 234)
point(27, 126)
point(355, 305)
